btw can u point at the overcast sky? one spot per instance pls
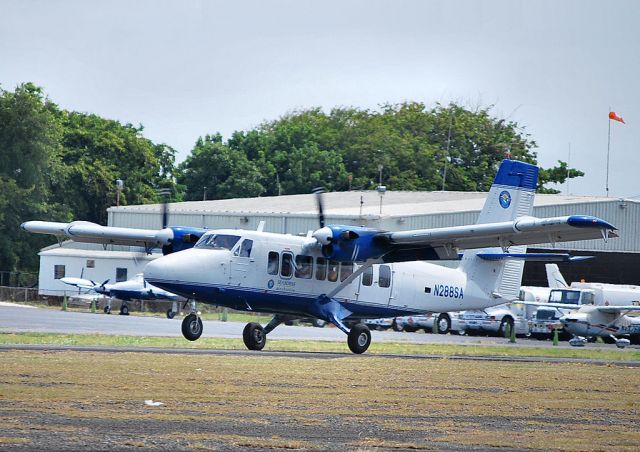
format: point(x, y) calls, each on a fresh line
point(186, 68)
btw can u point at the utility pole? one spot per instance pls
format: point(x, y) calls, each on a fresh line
point(446, 157)
point(608, 148)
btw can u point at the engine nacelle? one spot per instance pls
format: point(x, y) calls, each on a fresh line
point(183, 238)
point(350, 243)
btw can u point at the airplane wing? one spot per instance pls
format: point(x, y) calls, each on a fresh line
point(521, 231)
point(617, 309)
point(83, 231)
point(553, 305)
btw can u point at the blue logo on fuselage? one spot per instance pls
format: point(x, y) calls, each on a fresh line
point(505, 199)
point(270, 284)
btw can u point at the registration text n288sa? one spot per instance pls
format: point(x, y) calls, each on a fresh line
point(443, 290)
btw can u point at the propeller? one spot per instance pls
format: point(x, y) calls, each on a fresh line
point(165, 193)
point(318, 191)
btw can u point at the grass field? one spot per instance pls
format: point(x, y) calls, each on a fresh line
point(609, 353)
point(85, 400)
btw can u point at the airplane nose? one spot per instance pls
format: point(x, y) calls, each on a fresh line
point(183, 266)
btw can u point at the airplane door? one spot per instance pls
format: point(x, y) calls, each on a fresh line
point(375, 285)
point(240, 262)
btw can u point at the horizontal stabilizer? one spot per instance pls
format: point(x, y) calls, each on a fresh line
point(533, 257)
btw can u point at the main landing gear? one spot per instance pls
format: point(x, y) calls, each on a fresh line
point(255, 336)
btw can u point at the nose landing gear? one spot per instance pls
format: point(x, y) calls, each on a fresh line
point(192, 324)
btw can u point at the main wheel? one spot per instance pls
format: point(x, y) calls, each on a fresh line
point(318, 323)
point(124, 310)
point(359, 338)
point(253, 336)
point(503, 326)
point(192, 327)
point(444, 324)
point(171, 313)
point(396, 326)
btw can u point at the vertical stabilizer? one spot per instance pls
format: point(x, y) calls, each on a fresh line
point(554, 277)
point(511, 196)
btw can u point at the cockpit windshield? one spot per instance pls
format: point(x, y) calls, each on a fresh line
point(564, 296)
point(218, 241)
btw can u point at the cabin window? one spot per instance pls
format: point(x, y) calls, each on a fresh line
point(91, 263)
point(384, 278)
point(333, 271)
point(121, 274)
point(367, 277)
point(346, 270)
point(218, 241)
point(321, 269)
point(287, 265)
point(304, 267)
point(59, 271)
point(588, 298)
point(274, 263)
point(245, 248)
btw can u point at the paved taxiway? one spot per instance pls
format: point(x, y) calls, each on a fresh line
point(19, 319)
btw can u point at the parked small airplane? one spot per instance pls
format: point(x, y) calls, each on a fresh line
point(611, 322)
point(598, 309)
point(133, 289)
point(342, 273)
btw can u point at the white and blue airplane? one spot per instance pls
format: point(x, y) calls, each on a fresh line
point(135, 288)
point(344, 274)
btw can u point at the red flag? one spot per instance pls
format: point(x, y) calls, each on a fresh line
point(615, 117)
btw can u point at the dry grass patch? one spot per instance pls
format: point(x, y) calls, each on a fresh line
point(302, 403)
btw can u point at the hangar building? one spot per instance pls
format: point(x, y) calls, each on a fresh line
point(617, 260)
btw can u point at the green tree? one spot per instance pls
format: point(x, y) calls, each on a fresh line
point(556, 175)
point(29, 160)
point(225, 172)
point(97, 152)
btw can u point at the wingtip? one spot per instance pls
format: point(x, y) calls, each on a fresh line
point(587, 221)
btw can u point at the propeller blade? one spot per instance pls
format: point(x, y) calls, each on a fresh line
point(104, 283)
point(165, 214)
point(318, 191)
point(165, 193)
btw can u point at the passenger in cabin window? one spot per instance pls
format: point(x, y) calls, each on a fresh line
point(333, 271)
point(274, 263)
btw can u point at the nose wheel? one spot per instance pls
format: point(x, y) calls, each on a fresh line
point(192, 327)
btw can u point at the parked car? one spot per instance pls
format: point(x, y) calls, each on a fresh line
point(379, 324)
point(496, 320)
point(447, 322)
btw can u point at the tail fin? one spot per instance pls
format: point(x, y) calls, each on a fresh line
point(511, 196)
point(554, 277)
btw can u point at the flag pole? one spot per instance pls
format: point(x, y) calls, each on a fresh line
point(608, 148)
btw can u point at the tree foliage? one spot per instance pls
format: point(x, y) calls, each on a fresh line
point(408, 144)
point(60, 166)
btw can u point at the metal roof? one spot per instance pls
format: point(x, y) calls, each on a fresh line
point(361, 203)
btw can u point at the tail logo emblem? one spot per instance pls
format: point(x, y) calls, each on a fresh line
point(505, 199)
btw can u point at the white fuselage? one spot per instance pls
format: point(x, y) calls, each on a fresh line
point(284, 274)
point(588, 322)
